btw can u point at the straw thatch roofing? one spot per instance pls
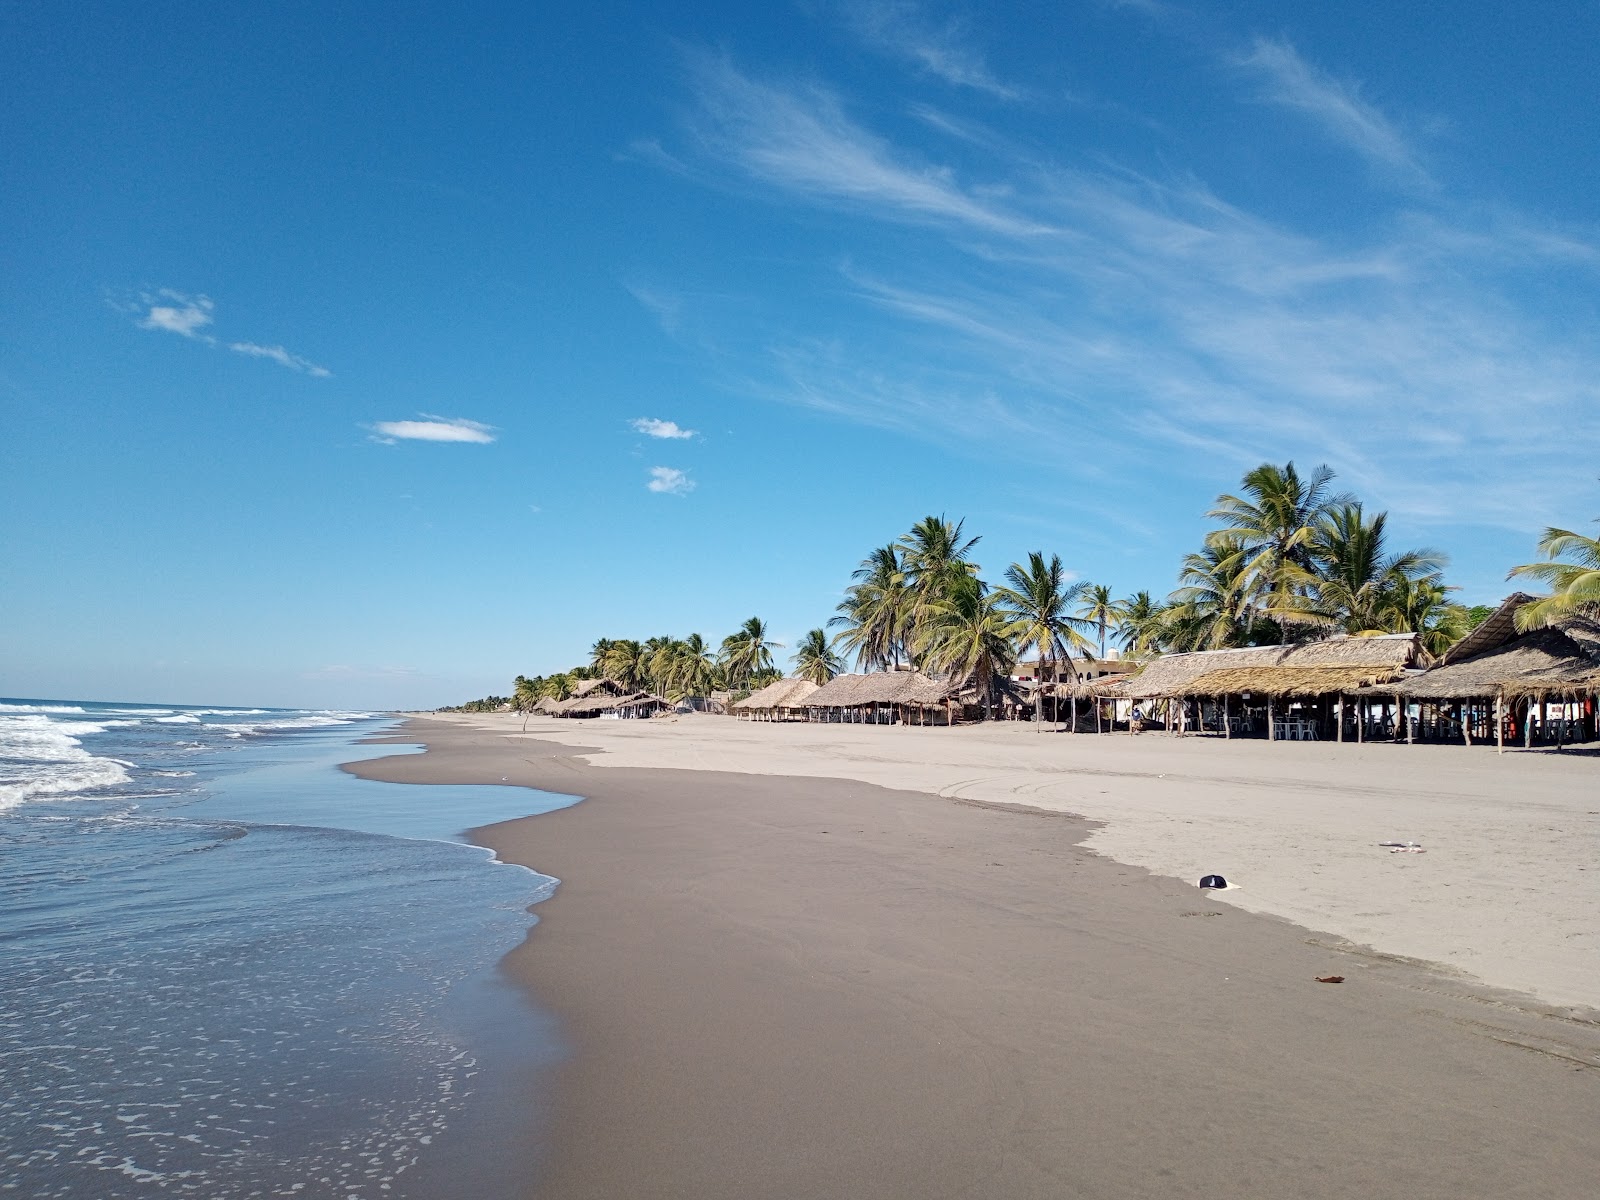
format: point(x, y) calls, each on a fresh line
point(547, 704)
point(1288, 681)
point(1563, 658)
point(879, 687)
point(585, 687)
point(1378, 658)
point(599, 701)
point(1498, 628)
point(782, 693)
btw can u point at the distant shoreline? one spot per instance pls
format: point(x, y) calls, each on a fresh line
point(786, 986)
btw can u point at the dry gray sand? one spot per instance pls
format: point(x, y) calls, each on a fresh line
point(789, 987)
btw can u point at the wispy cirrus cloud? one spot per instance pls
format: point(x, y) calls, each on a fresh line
point(944, 49)
point(170, 311)
point(432, 428)
point(651, 427)
point(1335, 105)
point(1128, 315)
point(670, 481)
point(799, 139)
point(282, 357)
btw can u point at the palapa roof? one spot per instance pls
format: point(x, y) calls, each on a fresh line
point(1498, 628)
point(547, 704)
point(879, 687)
point(782, 693)
point(584, 686)
point(1365, 659)
point(598, 702)
point(1562, 658)
point(1288, 681)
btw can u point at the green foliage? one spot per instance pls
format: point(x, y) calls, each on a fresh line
point(1571, 570)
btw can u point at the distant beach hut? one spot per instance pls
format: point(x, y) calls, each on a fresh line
point(781, 700)
point(884, 698)
point(1499, 685)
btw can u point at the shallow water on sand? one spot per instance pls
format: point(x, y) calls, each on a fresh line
point(230, 969)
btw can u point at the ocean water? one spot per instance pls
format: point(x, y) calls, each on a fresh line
point(229, 969)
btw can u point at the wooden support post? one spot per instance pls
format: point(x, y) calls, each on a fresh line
point(1499, 724)
point(1464, 714)
point(1527, 723)
point(1074, 725)
point(1272, 726)
point(1227, 725)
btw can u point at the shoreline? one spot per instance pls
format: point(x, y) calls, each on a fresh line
point(782, 986)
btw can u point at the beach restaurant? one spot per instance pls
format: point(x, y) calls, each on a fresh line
point(1498, 685)
point(1323, 690)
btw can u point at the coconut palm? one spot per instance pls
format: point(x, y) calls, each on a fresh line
point(524, 695)
point(692, 668)
point(1355, 575)
point(1139, 627)
point(815, 659)
point(1036, 597)
point(1271, 528)
point(598, 652)
point(874, 609)
point(1422, 606)
point(748, 652)
point(1211, 610)
point(1574, 585)
point(967, 634)
point(936, 558)
point(1097, 606)
point(626, 662)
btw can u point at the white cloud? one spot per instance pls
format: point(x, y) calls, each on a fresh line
point(651, 427)
point(282, 357)
point(433, 429)
point(177, 313)
point(188, 316)
point(903, 30)
point(800, 139)
point(670, 481)
point(1335, 105)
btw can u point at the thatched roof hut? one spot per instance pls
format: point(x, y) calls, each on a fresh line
point(782, 693)
point(1562, 659)
point(880, 687)
point(1334, 665)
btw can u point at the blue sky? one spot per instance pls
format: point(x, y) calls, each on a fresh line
point(372, 358)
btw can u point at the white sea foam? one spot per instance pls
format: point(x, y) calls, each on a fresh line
point(41, 757)
point(179, 719)
point(309, 721)
point(40, 708)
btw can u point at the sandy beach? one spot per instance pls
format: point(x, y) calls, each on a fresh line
point(816, 984)
point(1507, 890)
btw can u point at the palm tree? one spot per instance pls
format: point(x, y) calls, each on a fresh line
point(874, 609)
point(746, 653)
point(1036, 598)
point(1421, 606)
point(1574, 586)
point(693, 670)
point(1098, 606)
point(1211, 611)
point(968, 635)
point(936, 559)
point(525, 694)
point(815, 659)
point(598, 652)
point(1140, 625)
point(626, 662)
point(1271, 529)
point(1355, 576)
